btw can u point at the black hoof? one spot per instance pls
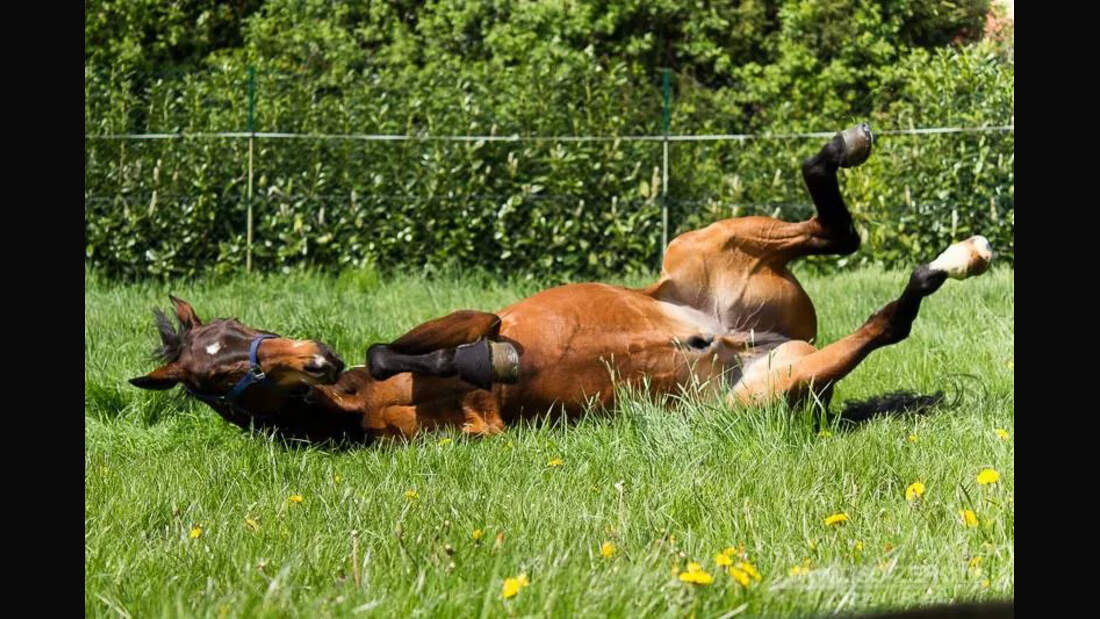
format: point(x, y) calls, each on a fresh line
point(857, 145)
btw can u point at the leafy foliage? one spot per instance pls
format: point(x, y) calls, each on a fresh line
point(566, 209)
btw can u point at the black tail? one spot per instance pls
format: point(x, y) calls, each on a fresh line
point(894, 404)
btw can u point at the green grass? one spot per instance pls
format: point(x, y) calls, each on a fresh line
point(695, 478)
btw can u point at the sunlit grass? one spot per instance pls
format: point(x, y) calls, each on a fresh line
point(666, 486)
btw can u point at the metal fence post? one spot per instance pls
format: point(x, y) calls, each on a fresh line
point(666, 91)
point(251, 139)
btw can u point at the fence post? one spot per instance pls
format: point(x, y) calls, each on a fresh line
point(251, 139)
point(666, 91)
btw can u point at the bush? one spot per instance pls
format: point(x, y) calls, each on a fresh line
point(550, 208)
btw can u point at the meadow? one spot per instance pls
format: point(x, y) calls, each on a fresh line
point(186, 515)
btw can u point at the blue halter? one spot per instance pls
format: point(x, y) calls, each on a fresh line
point(254, 375)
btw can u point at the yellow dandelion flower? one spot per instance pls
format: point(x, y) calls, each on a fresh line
point(914, 491)
point(477, 535)
point(512, 586)
point(912, 438)
point(836, 519)
point(723, 559)
point(825, 434)
point(196, 532)
point(555, 462)
point(295, 498)
point(799, 570)
point(252, 524)
point(444, 441)
point(749, 569)
point(858, 547)
point(1001, 433)
point(336, 478)
point(974, 563)
point(988, 476)
point(607, 549)
point(411, 495)
point(968, 517)
point(740, 576)
point(985, 583)
point(696, 574)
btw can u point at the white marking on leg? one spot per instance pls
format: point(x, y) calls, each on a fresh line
point(213, 348)
point(965, 258)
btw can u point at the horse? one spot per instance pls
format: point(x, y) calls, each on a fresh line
point(726, 312)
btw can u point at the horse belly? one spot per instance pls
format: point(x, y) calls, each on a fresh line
point(770, 301)
point(578, 343)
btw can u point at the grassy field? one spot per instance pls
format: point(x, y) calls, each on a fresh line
point(186, 515)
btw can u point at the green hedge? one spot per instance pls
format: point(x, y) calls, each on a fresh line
point(177, 207)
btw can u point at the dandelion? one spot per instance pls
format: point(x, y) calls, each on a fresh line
point(914, 491)
point(836, 519)
point(555, 462)
point(477, 535)
point(607, 550)
point(196, 532)
point(858, 547)
point(988, 476)
point(799, 570)
point(912, 438)
point(252, 524)
point(512, 586)
point(975, 563)
point(968, 517)
point(411, 495)
point(1001, 433)
point(723, 559)
point(824, 434)
point(696, 574)
point(295, 498)
point(336, 478)
point(985, 584)
point(743, 571)
point(444, 441)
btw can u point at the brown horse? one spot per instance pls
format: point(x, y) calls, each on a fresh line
point(726, 314)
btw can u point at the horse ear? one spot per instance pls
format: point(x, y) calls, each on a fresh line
point(185, 313)
point(164, 377)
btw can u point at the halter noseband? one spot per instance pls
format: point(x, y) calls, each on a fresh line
point(254, 375)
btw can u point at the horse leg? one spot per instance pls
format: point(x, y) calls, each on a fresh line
point(458, 344)
point(831, 231)
point(476, 413)
point(795, 368)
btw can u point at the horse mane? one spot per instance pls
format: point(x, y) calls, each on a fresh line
point(171, 340)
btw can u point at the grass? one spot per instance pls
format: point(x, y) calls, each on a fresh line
point(664, 485)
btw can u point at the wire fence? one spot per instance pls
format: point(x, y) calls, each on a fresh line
point(320, 173)
point(803, 209)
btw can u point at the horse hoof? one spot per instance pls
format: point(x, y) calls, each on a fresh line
point(484, 362)
point(965, 258)
point(857, 145)
point(505, 360)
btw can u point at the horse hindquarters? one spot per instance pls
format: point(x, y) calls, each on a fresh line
point(795, 368)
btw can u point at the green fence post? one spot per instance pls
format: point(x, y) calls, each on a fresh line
point(251, 139)
point(666, 91)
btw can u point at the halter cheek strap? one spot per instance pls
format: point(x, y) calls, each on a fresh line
point(254, 375)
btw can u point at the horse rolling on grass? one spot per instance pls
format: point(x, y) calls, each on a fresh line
point(726, 313)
